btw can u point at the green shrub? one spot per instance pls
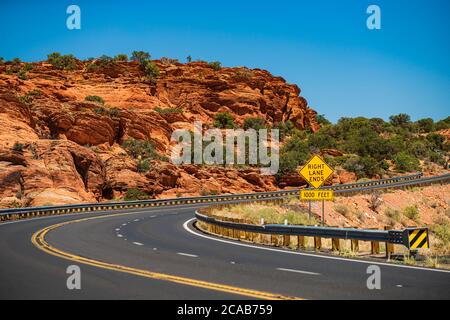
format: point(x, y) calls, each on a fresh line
point(168, 110)
point(425, 125)
point(189, 59)
point(105, 61)
point(107, 111)
point(215, 65)
point(2, 61)
point(293, 153)
point(443, 124)
point(212, 192)
point(285, 128)
point(22, 75)
point(17, 68)
point(318, 141)
point(150, 69)
point(18, 147)
point(27, 67)
point(320, 119)
point(143, 165)
point(224, 120)
point(63, 62)
point(441, 229)
point(141, 149)
point(140, 56)
point(168, 61)
point(437, 157)
point(243, 75)
point(102, 63)
point(405, 162)
point(135, 194)
point(96, 99)
point(400, 119)
point(362, 166)
point(393, 214)
point(254, 123)
point(16, 61)
point(121, 57)
point(436, 141)
point(114, 112)
point(411, 212)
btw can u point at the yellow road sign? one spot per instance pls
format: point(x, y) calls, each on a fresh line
point(418, 238)
point(315, 195)
point(316, 172)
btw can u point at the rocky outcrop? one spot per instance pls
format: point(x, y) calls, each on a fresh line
point(70, 149)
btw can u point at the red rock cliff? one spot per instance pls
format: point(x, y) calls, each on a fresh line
point(71, 149)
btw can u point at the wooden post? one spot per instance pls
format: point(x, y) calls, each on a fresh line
point(355, 245)
point(317, 243)
point(375, 245)
point(301, 242)
point(309, 210)
point(286, 241)
point(323, 213)
point(335, 244)
point(389, 246)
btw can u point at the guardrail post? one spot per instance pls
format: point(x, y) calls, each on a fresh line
point(237, 233)
point(355, 245)
point(335, 244)
point(286, 240)
point(301, 242)
point(273, 240)
point(228, 230)
point(243, 233)
point(389, 246)
point(374, 245)
point(317, 243)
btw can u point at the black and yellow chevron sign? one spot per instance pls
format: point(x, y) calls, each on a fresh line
point(418, 238)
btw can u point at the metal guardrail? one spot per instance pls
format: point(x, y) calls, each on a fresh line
point(389, 236)
point(402, 181)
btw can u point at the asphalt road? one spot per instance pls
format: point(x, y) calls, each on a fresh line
point(162, 241)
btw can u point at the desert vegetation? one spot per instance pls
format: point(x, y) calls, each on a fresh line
point(370, 147)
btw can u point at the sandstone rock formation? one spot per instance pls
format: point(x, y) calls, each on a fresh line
point(55, 147)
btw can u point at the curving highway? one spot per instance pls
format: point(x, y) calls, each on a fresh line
point(157, 253)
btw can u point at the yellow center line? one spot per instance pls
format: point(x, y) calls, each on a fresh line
point(38, 239)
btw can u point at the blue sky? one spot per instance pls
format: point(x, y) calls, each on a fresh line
point(324, 47)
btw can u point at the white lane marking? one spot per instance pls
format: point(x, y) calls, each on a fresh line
point(232, 262)
point(124, 224)
point(117, 229)
point(299, 271)
point(138, 243)
point(136, 220)
point(153, 216)
point(185, 226)
point(154, 249)
point(119, 235)
point(399, 286)
point(187, 254)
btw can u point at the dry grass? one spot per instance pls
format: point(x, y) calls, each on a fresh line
point(271, 213)
point(343, 209)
